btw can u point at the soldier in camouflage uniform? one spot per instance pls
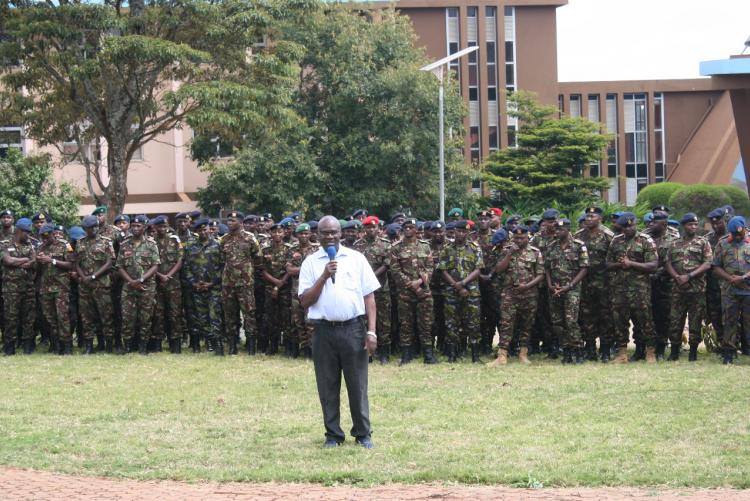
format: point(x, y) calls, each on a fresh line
point(491, 259)
point(461, 263)
point(169, 304)
point(54, 261)
point(661, 282)
point(116, 235)
point(377, 252)
point(566, 265)
point(95, 257)
point(302, 330)
point(488, 310)
point(6, 233)
point(412, 266)
point(437, 286)
point(19, 265)
point(202, 268)
point(183, 220)
point(278, 300)
point(595, 315)
point(543, 325)
point(732, 265)
point(138, 262)
point(688, 259)
point(522, 266)
point(631, 259)
point(241, 253)
point(718, 218)
point(257, 226)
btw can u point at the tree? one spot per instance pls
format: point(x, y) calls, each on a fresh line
point(110, 78)
point(367, 132)
point(549, 163)
point(27, 186)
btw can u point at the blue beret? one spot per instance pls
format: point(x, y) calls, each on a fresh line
point(267, 215)
point(235, 215)
point(183, 215)
point(456, 211)
point(286, 221)
point(46, 228)
point(648, 217)
point(661, 208)
point(157, 220)
point(295, 215)
point(499, 236)
point(437, 225)
point(521, 229)
point(39, 216)
point(397, 215)
point(616, 214)
point(593, 210)
point(6, 212)
point(59, 227)
point(25, 224)
point(195, 214)
point(550, 214)
point(451, 225)
point(250, 218)
point(563, 222)
point(76, 233)
point(581, 218)
point(200, 222)
point(660, 216)
point(313, 224)
point(90, 221)
point(728, 209)
point(461, 225)
point(276, 226)
point(534, 228)
point(626, 219)
point(716, 214)
point(223, 229)
point(673, 222)
point(122, 217)
point(689, 217)
point(360, 212)
point(141, 218)
point(735, 224)
point(393, 229)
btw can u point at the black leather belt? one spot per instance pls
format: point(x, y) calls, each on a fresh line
point(335, 324)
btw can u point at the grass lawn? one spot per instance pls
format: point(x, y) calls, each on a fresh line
point(196, 417)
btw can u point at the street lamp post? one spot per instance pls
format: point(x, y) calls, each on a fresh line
point(438, 69)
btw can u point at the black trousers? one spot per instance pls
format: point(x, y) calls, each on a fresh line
point(340, 349)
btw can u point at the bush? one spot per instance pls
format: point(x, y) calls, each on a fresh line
point(655, 194)
point(698, 198)
point(738, 199)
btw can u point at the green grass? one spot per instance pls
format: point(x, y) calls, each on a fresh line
point(196, 417)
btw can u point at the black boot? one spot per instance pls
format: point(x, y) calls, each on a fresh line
point(591, 351)
point(693, 356)
point(727, 356)
point(567, 357)
point(54, 347)
point(195, 343)
point(28, 346)
point(660, 348)
point(218, 348)
point(475, 354)
point(639, 353)
point(429, 357)
point(156, 346)
point(88, 347)
point(177, 346)
point(383, 355)
point(250, 345)
point(674, 352)
point(9, 349)
point(99, 342)
point(295, 349)
point(273, 346)
point(604, 352)
point(67, 347)
point(306, 353)
point(232, 349)
point(405, 355)
point(262, 344)
point(108, 344)
point(579, 357)
point(143, 347)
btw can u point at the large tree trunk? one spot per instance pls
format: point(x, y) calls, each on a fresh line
point(117, 189)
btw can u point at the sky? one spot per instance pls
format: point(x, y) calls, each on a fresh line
point(647, 39)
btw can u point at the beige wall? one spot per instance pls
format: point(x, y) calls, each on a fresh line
point(536, 51)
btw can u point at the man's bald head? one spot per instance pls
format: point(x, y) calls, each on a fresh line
point(329, 231)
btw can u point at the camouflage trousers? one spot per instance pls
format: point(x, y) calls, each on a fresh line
point(168, 311)
point(488, 313)
point(595, 316)
point(462, 319)
point(517, 313)
point(236, 300)
point(95, 304)
point(735, 308)
point(116, 292)
point(19, 312)
point(564, 310)
point(634, 306)
point(137, 313)
point(276, 314)
point(661, 298)
point(714, 310)
point(383, 318)
point(207, 314)
point(415, 319)
point(691, 305)
point(56, 311)
point(542, 321)
point(438, 318)
point(188, 305)
point(302, 330)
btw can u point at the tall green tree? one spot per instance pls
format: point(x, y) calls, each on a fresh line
point(367, 133)
point(548, 165)
point(111, 76)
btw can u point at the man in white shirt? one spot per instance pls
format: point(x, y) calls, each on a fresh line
point(338, 294)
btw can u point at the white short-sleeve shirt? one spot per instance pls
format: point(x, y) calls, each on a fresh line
point(343, 300)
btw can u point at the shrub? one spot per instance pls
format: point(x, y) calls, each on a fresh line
point(738, 199)
point(655, 194)
point(698, 198)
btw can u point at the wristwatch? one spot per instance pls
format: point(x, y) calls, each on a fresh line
point(93, 277)
point(54, 262)
point(372, 333)
point(140, 280)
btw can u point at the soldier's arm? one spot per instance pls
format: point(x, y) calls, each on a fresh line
point(150, 272)
point(175, 269)
point(722, 273)
point(582, 272)
point(670, 269)
point(14, 262)
point(472, 276)
point(503, 264)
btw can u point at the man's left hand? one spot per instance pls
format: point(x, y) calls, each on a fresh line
point(371, 344)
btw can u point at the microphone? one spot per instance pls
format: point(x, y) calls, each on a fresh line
point(331, 251)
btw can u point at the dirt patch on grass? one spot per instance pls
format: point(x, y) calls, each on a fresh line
point(20, 484)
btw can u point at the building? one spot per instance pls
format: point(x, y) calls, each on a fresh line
point(676, 130)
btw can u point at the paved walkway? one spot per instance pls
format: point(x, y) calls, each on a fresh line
point(18, 484)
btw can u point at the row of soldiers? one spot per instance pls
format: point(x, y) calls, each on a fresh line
point(447, 287)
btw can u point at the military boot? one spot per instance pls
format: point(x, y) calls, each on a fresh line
point(639, 353)
point(674, 352)
point(523, 356)
point(108, 345)
point(406, 355)
point(659, 351)
point(429, 356)
point(28, 346)
point(218, 348)
point(232, 349)
point(67, 347)
point(88, 348)
point(567, 357)
point(591, 351)
point(195, 343)
point(383, 355)
point(604, 351)
point(651, 355)
point(693, 355)
point(727, 356)
point(622, 356)
point(156, 345)
point(250, 345)
point(579, 357)
point(502, 358)
point(99, 342)
point(295, 350)
point(273, 346)
point(475, 354)
point(9, 349)
point(450, 352)
point(143, 346)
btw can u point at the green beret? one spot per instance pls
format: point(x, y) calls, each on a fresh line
point(102, 209)
point(302, 227)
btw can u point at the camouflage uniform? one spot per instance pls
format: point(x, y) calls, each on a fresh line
point(240, 253)
point(95, 300)
point(488, 305)
point(169, 295)
point(204, 263)
point(135, 258)
point(595, 314)
point(519, 308)
point(186, 239)
point(437, 286)
point(631, 289)
point(713, 290)
point(302, 330)
point(734, 257)
point(116, 236)
point(55, 291)
point(688, 301)
point(19, 294)
point(277, 311)
point(409, 260)
point(661, 291)
point(377, 253)
point(462, 315)
point(563, 264)
point(543, 320)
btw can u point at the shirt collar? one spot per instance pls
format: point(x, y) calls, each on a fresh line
point(343, 251)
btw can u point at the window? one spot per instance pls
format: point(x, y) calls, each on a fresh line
point(490, 13)
point(11, 137)
point(510, 50)
point(492, 131)
point(611, 123)
point(512, 139)
point(452, 37)
point(575, 105)
point(138, 155)
point(636, 138)
point(560, 105)
point(473, 75)
point(659, 146)
point(474, 148)
point(593, 114)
